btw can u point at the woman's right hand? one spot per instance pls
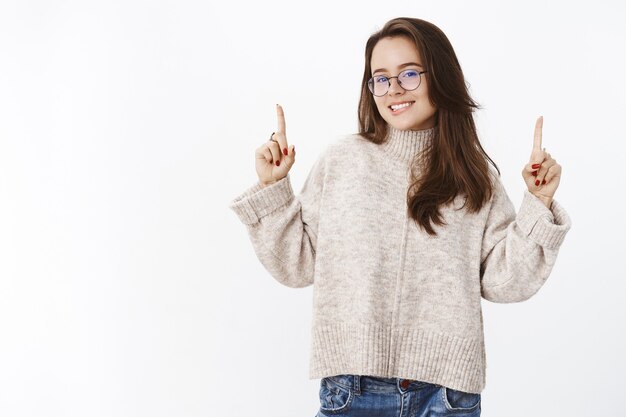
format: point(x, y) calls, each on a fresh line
point(275, 159)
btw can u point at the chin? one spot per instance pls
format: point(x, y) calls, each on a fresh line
point(404, 123)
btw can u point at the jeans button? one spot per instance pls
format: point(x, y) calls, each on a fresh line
point(405, 383)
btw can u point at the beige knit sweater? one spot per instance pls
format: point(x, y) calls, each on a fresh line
point(390, 300)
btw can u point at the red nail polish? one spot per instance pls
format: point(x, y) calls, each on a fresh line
point(278, 164)
point(285, 151)
point(534, 173)
point(535, 166)
point(537, 182)
point(543, 182)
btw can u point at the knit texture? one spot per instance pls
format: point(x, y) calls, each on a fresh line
point(389, 300)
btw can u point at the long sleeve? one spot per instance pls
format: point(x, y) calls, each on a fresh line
point(283, 227)
point(518, 252)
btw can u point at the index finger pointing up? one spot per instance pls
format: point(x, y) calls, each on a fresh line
point(538, 127)
point(281, 119)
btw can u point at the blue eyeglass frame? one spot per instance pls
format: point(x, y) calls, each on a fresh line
point(370, 84)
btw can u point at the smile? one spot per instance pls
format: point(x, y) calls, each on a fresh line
point(399, 107)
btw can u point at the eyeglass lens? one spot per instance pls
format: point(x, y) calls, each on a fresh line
point(408, 79)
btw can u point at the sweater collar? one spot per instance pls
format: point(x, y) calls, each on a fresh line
point(404, 144)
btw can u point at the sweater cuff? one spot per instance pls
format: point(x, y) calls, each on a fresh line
point(546, 227)
point(256, 202)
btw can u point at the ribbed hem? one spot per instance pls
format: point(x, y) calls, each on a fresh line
point(256, 202)
point(405, 144)
point(361, 349)
point(546, 227)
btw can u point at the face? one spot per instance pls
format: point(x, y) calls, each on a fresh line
point(388, 56)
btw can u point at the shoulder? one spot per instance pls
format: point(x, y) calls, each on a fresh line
point(499, 195)
point(494, 176)
point(496, 179)
point(350, 140)
point(349, 144)
point(500, 199)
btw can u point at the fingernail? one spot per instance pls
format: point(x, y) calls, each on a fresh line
point(535, 166)
point(534, 173)
point(543, 182)
point(537, 182)
point(285, 151)
point(278, 164)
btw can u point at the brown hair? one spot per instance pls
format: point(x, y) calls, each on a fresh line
point(455, 160)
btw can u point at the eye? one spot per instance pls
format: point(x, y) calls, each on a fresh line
point(409, 74)
point(380, 79)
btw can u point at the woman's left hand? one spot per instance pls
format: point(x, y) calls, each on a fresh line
point(542, 174)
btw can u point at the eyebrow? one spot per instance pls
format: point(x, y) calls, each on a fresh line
point(406, 64)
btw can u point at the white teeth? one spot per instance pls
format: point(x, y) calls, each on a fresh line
point(400, 106)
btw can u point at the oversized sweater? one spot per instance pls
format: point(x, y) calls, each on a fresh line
point(389, 300)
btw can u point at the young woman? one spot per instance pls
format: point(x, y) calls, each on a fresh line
point(402, 229)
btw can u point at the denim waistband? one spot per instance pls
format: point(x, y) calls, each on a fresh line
point(360, 383)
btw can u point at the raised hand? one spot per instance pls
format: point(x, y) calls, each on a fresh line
point(275, 159)
point(542, 174)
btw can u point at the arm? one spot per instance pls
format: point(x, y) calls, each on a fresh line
point(283, 227)
point(518, 252)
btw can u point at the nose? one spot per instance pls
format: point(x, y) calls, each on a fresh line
point(395, 86)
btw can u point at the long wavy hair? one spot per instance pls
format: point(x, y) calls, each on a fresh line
point(455, 162)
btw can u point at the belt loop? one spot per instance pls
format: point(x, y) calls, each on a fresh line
point(357, 384)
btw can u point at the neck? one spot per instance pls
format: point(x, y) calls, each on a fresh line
point(404, 144)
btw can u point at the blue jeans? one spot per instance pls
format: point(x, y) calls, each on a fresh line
point(365, 396)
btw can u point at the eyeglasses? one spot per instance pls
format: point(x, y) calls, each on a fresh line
point(408, 79)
